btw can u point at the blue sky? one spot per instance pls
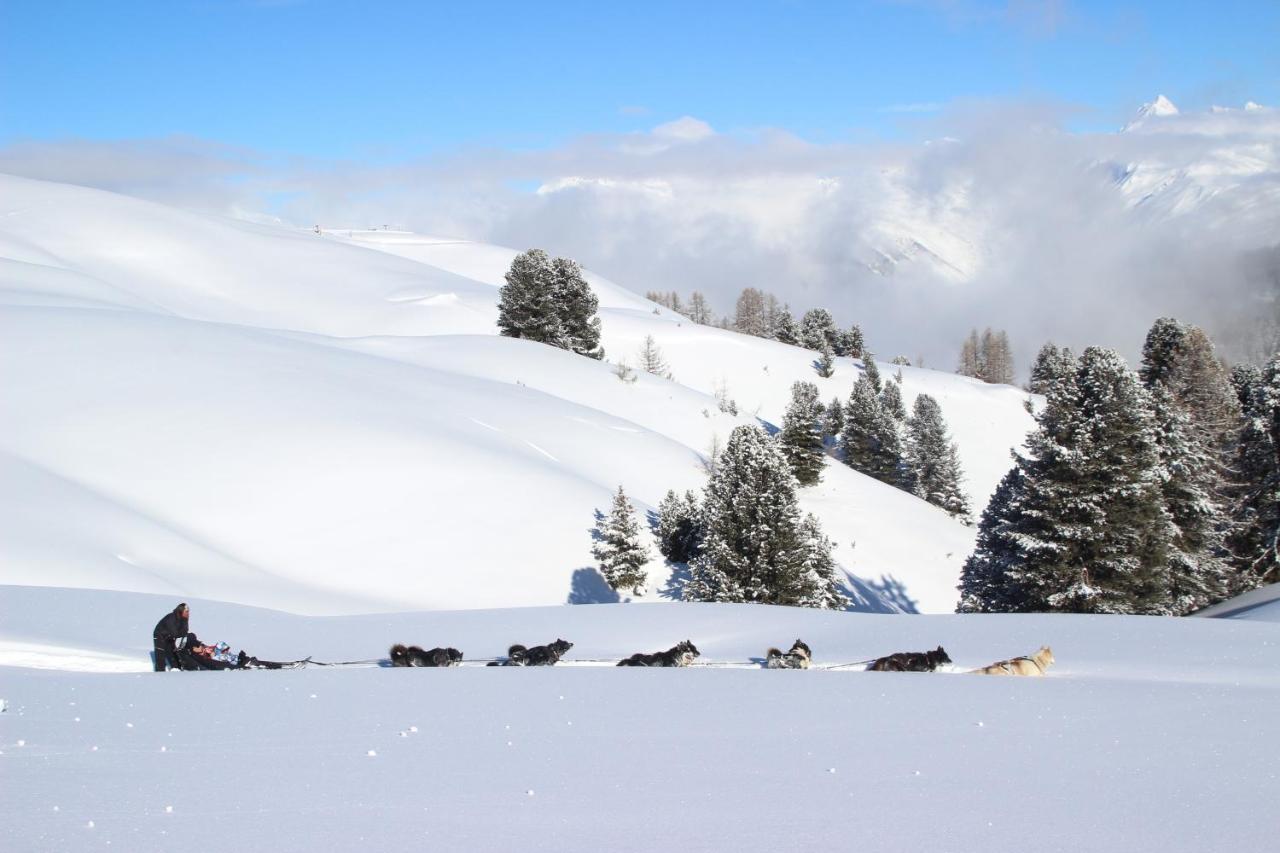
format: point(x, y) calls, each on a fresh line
point(386, 80)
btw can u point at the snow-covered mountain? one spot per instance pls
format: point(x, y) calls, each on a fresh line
point(329, 423)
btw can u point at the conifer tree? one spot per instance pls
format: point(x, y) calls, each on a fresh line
point(754, 545)
point(1086, 529)
point(651, 359)
point(749, 313)
point(825, 364)
point(996, 358)
point(679, 527)
point(548, 301)
point(787, 331)
point(934, 459)
point(854, 343)
point(1197, 573)
point(891, 401)
point(1256, 540)
point(833, 420)
point(872, 371)
point(871, 439)
point(970, 363)
point(621, 554)
point(1181, 359)
point(818, 584)
point(699, 310)
point(985, 582)
point(817, 329)
point(1051, 365)
point(526, 303)
point(800, 438)
point(576, 308)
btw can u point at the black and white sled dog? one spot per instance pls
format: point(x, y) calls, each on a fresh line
point(547, 655)
point(681, 654)
point(402, 655)
point(799, 657)
point(911, 661)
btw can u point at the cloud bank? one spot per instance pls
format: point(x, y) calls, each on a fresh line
point(1000, 217)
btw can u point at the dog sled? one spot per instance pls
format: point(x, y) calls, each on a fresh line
point(196, 656)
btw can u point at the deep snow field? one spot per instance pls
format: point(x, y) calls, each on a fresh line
point(1150, 734)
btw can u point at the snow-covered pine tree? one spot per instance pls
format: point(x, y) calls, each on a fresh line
point(1180, 358)
point(1198, 574)
point(1051, 365)
point(651, 359)
point(985, 584)
point(825, 363)
point(872, 371)
point(621, 554)
point(891, 401)
point(526, 303)
point(818, 584)
point(857, 439)
point(1092, 534)
point(853, 342)
point(679, 527)
point(800, 438)
point(576, 308)
point(1255, 542)
point(872, 438)
point(787, 331)
point(934, 459)
point(833, 419)
point(816, 329)
point(753, 547)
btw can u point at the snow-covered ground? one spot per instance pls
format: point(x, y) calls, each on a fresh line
point(1149, 734)
point(329, 423)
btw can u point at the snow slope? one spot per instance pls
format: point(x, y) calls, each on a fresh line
point(330, 423)
point(1150, 734)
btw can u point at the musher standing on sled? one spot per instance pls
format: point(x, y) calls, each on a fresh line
point(167, 632)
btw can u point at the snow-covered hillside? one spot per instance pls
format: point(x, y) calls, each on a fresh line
point(329, 423)
point(1148, 734)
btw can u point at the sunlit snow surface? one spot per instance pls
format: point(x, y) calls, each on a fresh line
point(1150, 734)
point(329, 423)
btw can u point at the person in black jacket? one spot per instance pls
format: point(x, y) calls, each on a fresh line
point(168, 630)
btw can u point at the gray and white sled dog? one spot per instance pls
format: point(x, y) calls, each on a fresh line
point(799, 657)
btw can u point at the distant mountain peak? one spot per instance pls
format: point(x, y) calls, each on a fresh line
point(1161, 107)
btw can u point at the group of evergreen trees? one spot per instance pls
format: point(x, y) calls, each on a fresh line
point(744, 541)
point(761, 314)
point(876, 436)
point(989, 358)
point(1154, 492)
point(547, 300)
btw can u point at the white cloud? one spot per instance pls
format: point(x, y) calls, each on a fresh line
point(1013, 223)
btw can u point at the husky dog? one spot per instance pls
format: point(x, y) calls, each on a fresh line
point(911, 661)
point(1034, 665)
point(547, 655)
point(798, 657)
point(681, 654)
point(402, 655)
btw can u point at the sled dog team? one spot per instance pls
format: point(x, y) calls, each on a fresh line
point(684, 653)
